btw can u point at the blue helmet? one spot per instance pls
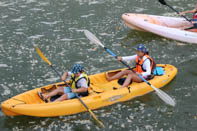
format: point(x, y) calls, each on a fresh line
point(141, 47)
point(77, 68)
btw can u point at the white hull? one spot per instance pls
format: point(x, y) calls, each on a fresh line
point(169, 27)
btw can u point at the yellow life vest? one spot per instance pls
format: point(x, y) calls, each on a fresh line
point(74, 80)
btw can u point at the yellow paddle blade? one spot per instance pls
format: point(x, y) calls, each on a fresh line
point(100, 123)
point(42, 56)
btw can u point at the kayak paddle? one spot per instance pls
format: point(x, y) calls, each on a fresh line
point(165, 97)
point(49, 63)
point(164, 3)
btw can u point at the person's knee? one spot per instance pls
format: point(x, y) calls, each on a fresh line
point(126, 72)
point(130, 76)
point(64, 97)
point(122, 72)
point(129, 72)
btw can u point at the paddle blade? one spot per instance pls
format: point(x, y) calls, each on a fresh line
point(100, 123)
point(165, 97)
point(162, 2)
point(42, 56)
point(92, 38)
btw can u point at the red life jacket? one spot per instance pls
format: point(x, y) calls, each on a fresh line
point(139, 64)
point(194, 15)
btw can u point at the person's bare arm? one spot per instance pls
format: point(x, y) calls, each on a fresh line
point(64, 76)
point(80, 90)
point(188, 11)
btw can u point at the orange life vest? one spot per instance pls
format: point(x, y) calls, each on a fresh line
point(139, 64)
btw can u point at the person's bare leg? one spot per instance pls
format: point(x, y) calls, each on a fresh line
point(127, 81)
point(59, 90)
point(132, 76)
point(119, 75)
point(136, 78)
point(61, 98)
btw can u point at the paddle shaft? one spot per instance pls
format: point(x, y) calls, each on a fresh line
point(164, 3)
point(49, 63)
point(124, 63)
point(68, 86)
point(167, 99)
point(93, 115)
point(178, 13)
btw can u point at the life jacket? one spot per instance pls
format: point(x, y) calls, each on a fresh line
point(75, 80)
point(139, 64)
point(194, 16)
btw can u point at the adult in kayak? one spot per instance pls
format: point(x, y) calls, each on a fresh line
point(194, 19)
point(79, 84)
point(144, 66)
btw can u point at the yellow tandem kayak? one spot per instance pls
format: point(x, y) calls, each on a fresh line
point(101, 93)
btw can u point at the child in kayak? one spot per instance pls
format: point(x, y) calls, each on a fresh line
point(79, 84)
point(194, 19)
point(144, 67)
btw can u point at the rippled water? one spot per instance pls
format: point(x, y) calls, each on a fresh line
point(57, 28)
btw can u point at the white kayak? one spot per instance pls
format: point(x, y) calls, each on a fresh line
point(169, 27)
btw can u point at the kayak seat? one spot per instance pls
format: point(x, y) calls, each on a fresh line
point(122, 80)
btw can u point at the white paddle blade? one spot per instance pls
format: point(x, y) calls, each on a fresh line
point(93, 38)
point(165, 97)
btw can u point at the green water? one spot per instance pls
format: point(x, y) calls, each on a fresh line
point(57, 28)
